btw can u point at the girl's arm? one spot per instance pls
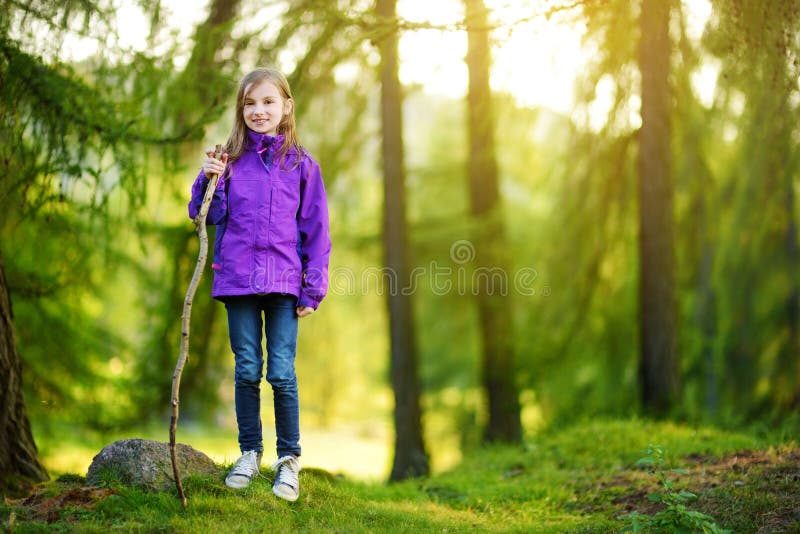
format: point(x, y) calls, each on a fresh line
point(315, 239)
point(219, 204)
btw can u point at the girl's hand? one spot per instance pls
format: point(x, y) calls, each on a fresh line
point(302, 311)
point(214, 166)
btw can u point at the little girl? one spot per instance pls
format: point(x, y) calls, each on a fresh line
point(271, 255)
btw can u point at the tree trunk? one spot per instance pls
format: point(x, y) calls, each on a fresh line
point(657, 305)
point(793, 298)
point(18, 455)
point(780, 88)
point(410, 458)
point(205, 81)
point(490, 240)
point(780, 176)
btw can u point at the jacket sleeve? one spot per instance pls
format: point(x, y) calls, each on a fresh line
point(315, 239)
point(219, 202)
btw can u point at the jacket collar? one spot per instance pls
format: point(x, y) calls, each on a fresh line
point(259, 142)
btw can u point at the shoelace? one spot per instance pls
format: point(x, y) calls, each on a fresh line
point(247, 465)
point(287, 475)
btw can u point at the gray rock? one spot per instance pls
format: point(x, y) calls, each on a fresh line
point(146, 464)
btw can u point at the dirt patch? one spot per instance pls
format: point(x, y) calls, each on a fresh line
point(744, 460)
point(749, 490)
point(43, 506)
point(762, 484)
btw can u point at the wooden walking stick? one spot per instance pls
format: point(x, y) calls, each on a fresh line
point(200, 223)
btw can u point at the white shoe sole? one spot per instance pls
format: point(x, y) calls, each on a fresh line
point(287, 494)
point(236, 484)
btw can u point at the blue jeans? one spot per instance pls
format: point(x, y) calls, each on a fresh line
point(280, 328)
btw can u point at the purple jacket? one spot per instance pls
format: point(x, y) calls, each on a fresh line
point(272, 224)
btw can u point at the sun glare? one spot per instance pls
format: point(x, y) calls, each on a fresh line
point(433, 58)
point(537, 61)
point(535, 58)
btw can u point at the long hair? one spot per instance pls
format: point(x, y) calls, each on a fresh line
point(237, 142)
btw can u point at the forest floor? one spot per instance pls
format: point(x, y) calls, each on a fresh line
point(584, 478)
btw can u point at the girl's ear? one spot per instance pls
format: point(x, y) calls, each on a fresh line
point(289, 107)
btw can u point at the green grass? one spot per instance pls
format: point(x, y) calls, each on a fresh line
point(578, 479)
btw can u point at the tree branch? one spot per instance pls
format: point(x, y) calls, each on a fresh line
point(200, 222)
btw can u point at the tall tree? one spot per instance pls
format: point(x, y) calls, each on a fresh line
point(23, 163)
point(67, 146)
point(758, 45)
point(410, 458)
point(658, 366)
point(199, 92)
point(18, 455)
point(205, 82)
point(498, 372)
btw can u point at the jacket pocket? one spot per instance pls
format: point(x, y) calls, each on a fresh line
point(284, 203)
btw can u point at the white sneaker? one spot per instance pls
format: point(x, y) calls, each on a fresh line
point(286, 485)
point(243, 471)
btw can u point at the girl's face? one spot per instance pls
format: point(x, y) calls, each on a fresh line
point(264, 108)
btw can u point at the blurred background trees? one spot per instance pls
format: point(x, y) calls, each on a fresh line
point(495, 322)
point(606, 310)
point(410, 458)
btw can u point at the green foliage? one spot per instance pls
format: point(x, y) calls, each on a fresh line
point(729, 155)
point(756, 248)
point(73, 168)
point(675, 517)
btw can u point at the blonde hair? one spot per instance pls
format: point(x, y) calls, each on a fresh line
point(237, 142)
